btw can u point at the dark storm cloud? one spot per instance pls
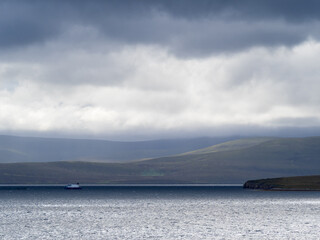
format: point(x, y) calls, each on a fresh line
point(184, 27)
point(23, 23)
point(290, 10)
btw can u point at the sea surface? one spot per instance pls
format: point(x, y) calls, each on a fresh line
point(157, 212)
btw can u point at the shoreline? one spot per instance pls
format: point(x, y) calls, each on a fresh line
point(299, 183)
point(128, 185)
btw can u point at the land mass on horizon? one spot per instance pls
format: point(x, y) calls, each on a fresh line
point(233, 161)
point(300, 183)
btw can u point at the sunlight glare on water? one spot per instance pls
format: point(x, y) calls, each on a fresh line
point(158, 213)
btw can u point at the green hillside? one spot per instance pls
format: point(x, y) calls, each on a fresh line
point(254, 160)
point(231, 145)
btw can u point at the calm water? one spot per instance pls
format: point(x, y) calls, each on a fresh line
point(158, 213)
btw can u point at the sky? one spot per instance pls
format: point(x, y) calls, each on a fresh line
point(146, 69)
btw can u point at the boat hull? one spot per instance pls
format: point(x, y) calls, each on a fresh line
point(72, 187)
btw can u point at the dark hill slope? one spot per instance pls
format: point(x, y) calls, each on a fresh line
point(273, 158)
point(29, 149)
point(268, 159)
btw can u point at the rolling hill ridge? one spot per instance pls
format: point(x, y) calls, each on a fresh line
point(254, 159)
point(32, 149)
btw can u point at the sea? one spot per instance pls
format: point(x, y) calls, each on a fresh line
point(157, 212)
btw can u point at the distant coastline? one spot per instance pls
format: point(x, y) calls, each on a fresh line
point(119, 186)
point(232, 161)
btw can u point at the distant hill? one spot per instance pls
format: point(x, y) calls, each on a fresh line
point(242, 160)
point(33, 149)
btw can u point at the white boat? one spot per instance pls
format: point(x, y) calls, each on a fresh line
point(73, 186)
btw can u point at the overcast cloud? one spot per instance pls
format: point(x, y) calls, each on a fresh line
point(151, 69)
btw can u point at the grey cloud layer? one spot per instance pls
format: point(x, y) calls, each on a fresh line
point(187, 28)
point(159, 67)
point(83, 93)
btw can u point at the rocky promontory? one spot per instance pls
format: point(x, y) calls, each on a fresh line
point(301, 183)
